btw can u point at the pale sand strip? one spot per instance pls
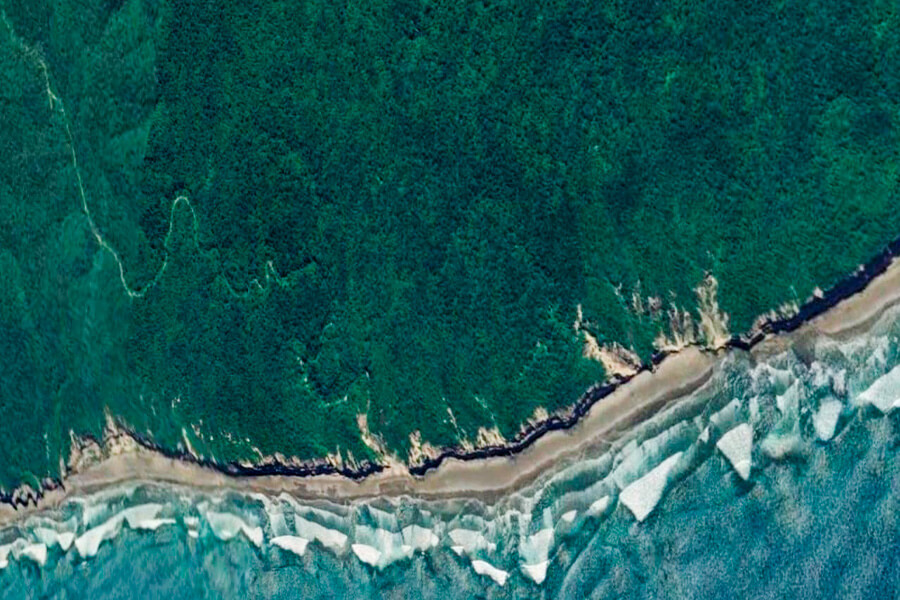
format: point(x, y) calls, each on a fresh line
point(858, 312)
point(484, 478)
point(677, 376)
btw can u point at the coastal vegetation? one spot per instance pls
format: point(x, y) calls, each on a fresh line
point(233, 228)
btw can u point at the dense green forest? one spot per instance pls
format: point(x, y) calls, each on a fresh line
point(238, 225)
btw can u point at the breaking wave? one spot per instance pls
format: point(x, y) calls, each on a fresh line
point(784, 464)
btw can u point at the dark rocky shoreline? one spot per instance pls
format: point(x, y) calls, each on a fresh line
point(847, 287)
point(844, 289)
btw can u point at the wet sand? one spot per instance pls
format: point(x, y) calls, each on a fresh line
point(677, 376)
point(859, 312)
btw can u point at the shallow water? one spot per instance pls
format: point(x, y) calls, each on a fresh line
point(817, 516)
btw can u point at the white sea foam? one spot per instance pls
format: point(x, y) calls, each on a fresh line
point(820, 376)
point(419, 538)
point(226, 526)
point(5, 551)
point(34, 552)
point(141, 517)
point(66, 539)
point(154, 524)
point(704, 435)
point(485, 568)
point(626, 451)
point(307, 525)
point(631, 465)
point(469, 541)
point(884, 393)
point(366, 553)
point(780, 445)
point(826, 418)
point(737, 446)
point(753, 406)
point(641, 472)
point(780, 378)
point(274, 514)
point(93, 508)
point(192, 524)
point(278, 524)
point(89, 542)
point(390, 546)
point(330, 538)
point(21, 548)
point(877, 356)
point(537, 546)
point(291, 543)
point(726, 415)
point(598, 507)
point(534, 551)
point(381, 519)
point(144, 517)
point(789, 401)
point(538, 572)
point(581, 499)
point(51, 537)
point(642, 496)
point(839, 382)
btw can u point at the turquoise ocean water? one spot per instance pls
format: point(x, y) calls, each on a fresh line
point(818, 515)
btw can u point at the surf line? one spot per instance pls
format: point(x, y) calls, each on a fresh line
point(843, 290)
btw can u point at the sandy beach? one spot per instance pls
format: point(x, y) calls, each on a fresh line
point(678, 375)
point(858, 312)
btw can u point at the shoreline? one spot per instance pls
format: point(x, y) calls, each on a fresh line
point(601, 414)
point(484, 479)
